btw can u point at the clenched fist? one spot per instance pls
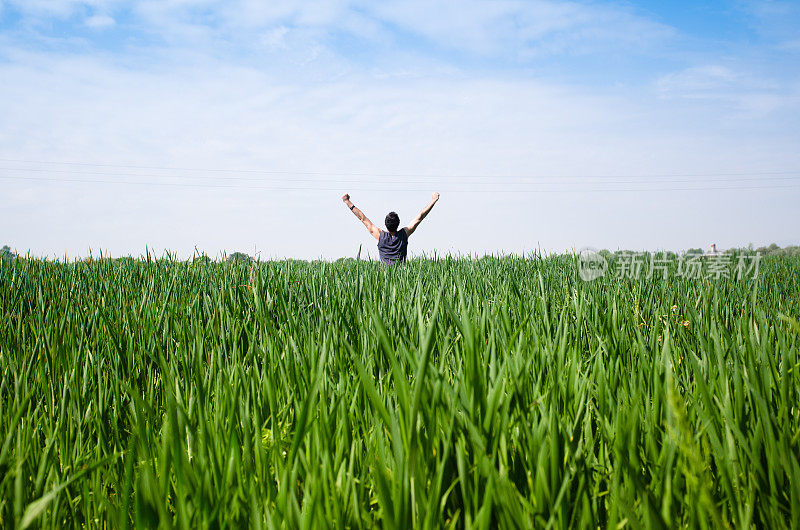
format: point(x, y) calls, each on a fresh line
point(435, 196)
point(346, 197)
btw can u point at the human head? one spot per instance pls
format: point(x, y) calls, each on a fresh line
point(392, 221)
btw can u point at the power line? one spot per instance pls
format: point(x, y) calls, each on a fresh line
point(420, 175)
point(699, 178)
point(339, 188)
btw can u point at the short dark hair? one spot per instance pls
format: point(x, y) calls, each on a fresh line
point(392, 221)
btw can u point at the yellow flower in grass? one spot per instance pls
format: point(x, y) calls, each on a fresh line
point(675, 309)
point(686, 323)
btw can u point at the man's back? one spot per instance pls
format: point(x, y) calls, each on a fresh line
point(393, 247)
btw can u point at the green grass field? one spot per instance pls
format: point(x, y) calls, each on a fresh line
point(495, 392)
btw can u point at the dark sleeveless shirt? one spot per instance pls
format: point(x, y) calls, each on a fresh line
point(393, 248)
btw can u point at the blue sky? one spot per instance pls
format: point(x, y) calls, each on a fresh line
point(628, 124)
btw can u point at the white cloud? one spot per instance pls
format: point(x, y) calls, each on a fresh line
point(60, 8)
point(511, 29)
point(776, 20)
point(522, 28)
point(275, 38)
point(99, 21)
point(746, 92)
point(698, 79)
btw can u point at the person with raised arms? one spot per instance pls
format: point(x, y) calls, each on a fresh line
point(392, 243)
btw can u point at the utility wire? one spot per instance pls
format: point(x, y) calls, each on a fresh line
point(420, 175)
point(339, 188)
point(631, 179)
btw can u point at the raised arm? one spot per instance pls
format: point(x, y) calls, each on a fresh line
point(374, 230)
point(424, 213)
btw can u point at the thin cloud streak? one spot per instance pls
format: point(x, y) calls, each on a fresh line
point(491, 29)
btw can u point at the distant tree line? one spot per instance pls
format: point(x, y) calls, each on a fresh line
point(771, 250)
point(6, 254)
point(775, 250)
point(239, 257)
